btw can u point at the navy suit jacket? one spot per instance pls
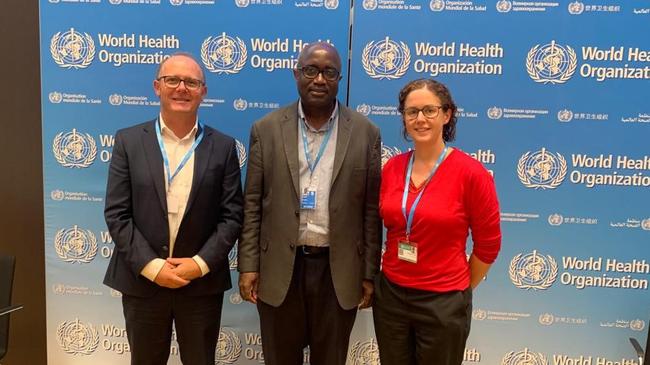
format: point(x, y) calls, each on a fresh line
point(136, 210)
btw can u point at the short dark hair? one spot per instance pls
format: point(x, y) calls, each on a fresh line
point(438, 89)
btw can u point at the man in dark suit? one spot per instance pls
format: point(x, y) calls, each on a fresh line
point(311, 238)
point(174, 211)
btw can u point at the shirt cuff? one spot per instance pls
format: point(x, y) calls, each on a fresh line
point(151, 270)
point(202, 265)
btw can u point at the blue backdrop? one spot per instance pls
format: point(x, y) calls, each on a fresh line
point(553, 101)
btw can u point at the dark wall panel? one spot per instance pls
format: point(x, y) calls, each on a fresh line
point(21, 180)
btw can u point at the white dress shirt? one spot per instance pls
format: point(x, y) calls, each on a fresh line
point(178, 192)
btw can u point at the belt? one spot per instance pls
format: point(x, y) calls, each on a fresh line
point(312, 251)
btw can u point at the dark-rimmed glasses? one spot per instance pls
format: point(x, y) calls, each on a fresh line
point(429, 112)
point(173, 82)
point(311, 72)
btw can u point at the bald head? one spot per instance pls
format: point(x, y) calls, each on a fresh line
point(319, 46)
point(176, 55)
point(318, 91)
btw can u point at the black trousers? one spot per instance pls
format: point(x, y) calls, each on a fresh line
point(309, 316)
point(417, 327)
point(149, 327)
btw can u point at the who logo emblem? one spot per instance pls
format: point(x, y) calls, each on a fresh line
point(72, 49)
point(524, 357)
point(565, 115)
point(551, 63)
point(555, 219)
point(386, 59)
point(576, 8)
point(495, 112)
point(223, 54)
point(532, 271)
point(541, 169)
point(74, 149)
point(228, 347)
point(55, 97)
point(58, 289)
point(504, 6)
point(370, 4)
point(637, 325)
point(75, 245)
point(57, 195)
point(388, 152)
point(546, 319)
point(364, 353)
point(364, 109)
point(479, 314)
point(241, 153)
point(437, 5)
point(240, 104)
point(115, 99)
point(77, 338)
point(235, 298)
point(331, 4)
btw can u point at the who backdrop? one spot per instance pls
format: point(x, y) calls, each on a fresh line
point(553, 101)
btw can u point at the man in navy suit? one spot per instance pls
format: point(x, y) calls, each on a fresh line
point(174, 211)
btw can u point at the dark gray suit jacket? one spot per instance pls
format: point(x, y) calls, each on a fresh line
point(272, 209)
point(136, 210)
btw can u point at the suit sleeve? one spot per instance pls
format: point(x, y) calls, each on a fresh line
point(372, 221)
point(249, 248)
point(118, 211)
point(215, 251)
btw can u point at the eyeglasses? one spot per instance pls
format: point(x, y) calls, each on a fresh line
point(311, 72)
point(429, 112)
point(174, 81)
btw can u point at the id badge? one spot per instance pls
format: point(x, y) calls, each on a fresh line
point(308, 200)
point(407, 251)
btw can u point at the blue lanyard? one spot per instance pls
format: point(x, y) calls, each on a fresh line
point(187, 156)
point(312, 166)
point(409, 219)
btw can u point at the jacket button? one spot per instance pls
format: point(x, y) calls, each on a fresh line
point(165, 248)
point(292, 246)
point(297, 212)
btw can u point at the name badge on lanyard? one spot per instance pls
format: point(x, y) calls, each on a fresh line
point(188, 154)
point(407, 250)
point(309, 196)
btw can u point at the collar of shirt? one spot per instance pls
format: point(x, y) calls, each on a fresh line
point(167, 132)
point(330, 122)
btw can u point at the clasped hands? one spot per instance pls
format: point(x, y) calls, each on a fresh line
point(177, 272)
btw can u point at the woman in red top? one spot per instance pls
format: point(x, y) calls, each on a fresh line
point(431, 198)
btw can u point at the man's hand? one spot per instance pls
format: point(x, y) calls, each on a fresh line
point(366, 297)
point(168, 278)
point(248, 282)
point(185, 267)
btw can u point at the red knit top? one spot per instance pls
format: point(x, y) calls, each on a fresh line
point(460, 198)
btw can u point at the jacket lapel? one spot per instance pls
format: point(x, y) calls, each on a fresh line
point(154, 161)
point(342, 141)
point(289, 125)
point(201, 159)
